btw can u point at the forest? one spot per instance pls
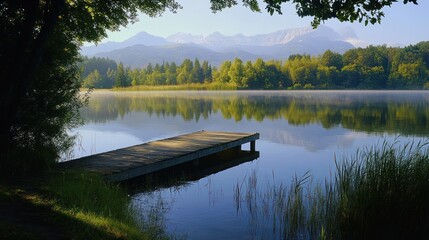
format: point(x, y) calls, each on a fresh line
point(373, 67)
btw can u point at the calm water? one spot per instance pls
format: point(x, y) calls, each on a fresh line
point(300, 131)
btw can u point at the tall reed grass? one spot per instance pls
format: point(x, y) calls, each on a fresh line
point(384, 192)
point(380, 192)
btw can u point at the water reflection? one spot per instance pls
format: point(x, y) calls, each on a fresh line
point(405, 113)
point(183, 174)
point(149, 200)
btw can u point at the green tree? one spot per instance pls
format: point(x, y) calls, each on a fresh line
point(373, 77)
point(331, 59)
point(327, 76)
point(260, 69)
point(149, 68)
point(134, 75)
point(184, 72)
point(411, 73)
point(143, 78)
point(207, 71)
point(92, 79)
point(302, 69)
point(351, 75)
point(250, 79)
point(102, 65)
point(350, 57)
point(424, 52)
point(121, 78)
point(171, 74)
point(274, 79)
point(236, 73)
point(222, 74)
point(197, 72)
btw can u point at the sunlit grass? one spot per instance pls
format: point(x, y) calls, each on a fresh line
point(190, 86)
point(89, 192)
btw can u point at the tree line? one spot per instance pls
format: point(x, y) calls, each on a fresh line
point(373, 67)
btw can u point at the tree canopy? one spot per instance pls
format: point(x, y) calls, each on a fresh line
point(39, 51)
point(367, 11)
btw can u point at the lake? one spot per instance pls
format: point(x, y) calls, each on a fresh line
point(301, 132)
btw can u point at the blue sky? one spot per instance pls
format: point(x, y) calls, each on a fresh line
point(403, 24)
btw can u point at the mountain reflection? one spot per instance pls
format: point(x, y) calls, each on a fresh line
point(398, 112)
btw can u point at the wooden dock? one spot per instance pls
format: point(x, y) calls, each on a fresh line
point(126, 163)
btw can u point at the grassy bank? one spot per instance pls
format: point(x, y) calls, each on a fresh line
point(381, 192)
point(190, 86)
point(69, 205)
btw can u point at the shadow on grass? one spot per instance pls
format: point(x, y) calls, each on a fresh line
point(28, 215)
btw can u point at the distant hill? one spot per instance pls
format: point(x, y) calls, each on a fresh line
point(141, 55)
point(140, 38)
point(145, 48)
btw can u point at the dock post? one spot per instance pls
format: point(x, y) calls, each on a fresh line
point(252, 146)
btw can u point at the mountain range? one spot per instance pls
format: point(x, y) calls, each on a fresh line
point(144, 48)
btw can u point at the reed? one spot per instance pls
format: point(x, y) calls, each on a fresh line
point(380, 192)
point(383, 191)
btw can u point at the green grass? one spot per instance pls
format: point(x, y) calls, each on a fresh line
point(87, 197)
point(88, 192)
point(380, 192)
point(77, 204)
point(190, 86)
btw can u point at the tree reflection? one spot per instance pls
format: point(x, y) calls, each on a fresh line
point(399, 113)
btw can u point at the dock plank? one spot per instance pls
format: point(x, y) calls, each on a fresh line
point(134, 161)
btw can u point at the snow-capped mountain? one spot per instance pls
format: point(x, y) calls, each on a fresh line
point(217, 41)
point(143, 48)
